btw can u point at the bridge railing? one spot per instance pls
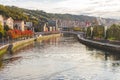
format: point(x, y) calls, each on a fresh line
point(73, 32)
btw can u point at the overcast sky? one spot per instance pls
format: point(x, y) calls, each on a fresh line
point(100, 8)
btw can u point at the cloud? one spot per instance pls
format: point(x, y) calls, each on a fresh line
point(103, 8)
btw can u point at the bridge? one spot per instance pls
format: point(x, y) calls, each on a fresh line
point(70, 32)
point(73, 32)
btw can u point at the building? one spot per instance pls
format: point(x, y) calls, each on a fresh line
point(44, 29)
point(1, 20)
point(19, 24)
point(9, 22)
point(29, 25)
point(52, 25)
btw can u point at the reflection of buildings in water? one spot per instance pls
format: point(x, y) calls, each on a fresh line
point(51, 41)
point(55, 40)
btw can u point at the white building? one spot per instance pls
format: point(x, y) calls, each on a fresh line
point(9, 22)
point(19, 24)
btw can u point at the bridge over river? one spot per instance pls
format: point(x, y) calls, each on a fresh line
point(60, 58)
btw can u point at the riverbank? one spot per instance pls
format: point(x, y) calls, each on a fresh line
point(23, 43)
point(103, 45)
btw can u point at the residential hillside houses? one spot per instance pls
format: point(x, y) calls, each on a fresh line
point(10, 22)
point(82, 24)
point(70, 24)
point(51, 25)
point(15, 24)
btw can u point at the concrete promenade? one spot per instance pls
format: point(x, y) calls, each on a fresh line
point(100, 45)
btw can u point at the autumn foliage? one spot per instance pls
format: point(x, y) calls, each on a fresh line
point(14, 34)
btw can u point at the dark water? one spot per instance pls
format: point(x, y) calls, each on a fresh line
point(61, 58)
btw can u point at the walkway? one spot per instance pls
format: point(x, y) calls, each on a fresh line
point(107, 46)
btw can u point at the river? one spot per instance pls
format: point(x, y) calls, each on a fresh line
point(60, 58)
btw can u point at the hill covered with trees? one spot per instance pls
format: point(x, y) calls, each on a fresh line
point(38, 17)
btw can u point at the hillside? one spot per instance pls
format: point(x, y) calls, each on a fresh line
point(39, 16)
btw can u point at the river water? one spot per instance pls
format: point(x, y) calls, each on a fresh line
point(61, 58)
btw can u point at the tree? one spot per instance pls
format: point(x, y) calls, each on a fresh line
point(6, 28)
point(114, 32)
point(98, 31)
point(1, 35)
point(1, 31)
point(88, 33)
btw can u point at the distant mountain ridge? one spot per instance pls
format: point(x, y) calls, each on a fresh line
point(39, 16)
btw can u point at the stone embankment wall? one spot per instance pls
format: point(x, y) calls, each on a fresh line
point(23, 43)
point(100, 45)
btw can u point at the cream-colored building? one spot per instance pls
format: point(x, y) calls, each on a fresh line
point(19, 24)
point(9, 22)
point(45, 27)
point(1, 20)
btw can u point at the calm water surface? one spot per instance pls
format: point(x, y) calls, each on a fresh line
point(62, 58)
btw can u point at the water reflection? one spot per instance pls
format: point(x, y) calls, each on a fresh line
point(104, 55)
point(61, 58)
